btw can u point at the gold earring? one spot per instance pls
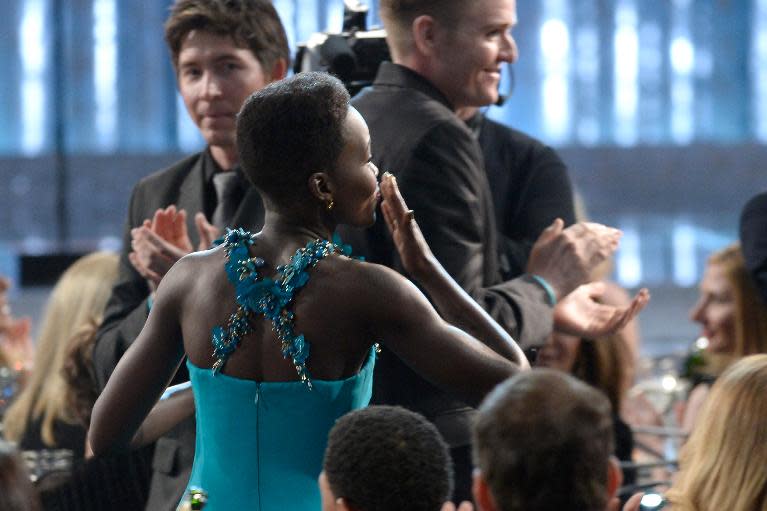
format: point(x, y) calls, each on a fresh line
point(330, 205)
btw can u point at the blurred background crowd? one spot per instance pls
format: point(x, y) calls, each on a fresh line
point(657, 108)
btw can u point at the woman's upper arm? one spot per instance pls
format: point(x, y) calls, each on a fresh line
point(406, 323)
point(144, 370)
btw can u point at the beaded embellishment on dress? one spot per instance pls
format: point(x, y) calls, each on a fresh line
point(257, 295)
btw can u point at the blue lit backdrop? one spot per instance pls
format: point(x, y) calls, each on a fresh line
point(658, 106)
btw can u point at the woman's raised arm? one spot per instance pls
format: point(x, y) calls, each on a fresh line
point(398, 315)
point(452, 302)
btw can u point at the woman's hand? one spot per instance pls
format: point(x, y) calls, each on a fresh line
point(415, 254)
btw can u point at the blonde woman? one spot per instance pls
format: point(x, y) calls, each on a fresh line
point(733, 317)
point(40, 418)
point(722, 464)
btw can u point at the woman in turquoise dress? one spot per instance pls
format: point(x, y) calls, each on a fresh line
point(279, 328)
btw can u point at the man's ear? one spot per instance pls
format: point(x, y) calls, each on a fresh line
point(279, 70)
point(614, 477)
point(321, 186)
point(483, 497)
point(424, 34)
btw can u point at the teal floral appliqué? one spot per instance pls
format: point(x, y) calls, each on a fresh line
point(257, 295)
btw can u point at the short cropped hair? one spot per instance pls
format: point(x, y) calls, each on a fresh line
point(542, 440)
point(289, 130)
point(252, 24)
point(398, 16)
point(386, 457)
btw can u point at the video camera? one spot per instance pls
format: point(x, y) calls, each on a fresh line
point(352, 55)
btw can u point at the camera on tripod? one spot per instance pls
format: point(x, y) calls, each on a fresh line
point(353, 55)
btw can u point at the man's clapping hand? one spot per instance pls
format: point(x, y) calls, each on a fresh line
point(581, 314)
point(158, 243)
point(566, 257)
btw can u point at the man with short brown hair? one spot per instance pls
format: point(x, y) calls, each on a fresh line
point(543, 440)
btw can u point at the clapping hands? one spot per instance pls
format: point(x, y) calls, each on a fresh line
point(158, 243)
point(566, 257)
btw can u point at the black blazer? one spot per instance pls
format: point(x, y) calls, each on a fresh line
point(417, 137)
point(183, 184)
point(530, 188)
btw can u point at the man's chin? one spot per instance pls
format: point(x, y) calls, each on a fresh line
point(215, 138)
point(718, 347)
point(484, 99)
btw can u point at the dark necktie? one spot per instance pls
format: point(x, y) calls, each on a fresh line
point(226, 184)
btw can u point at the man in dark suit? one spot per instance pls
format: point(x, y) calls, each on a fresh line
point(447, 54)
point(222, 52)
point(529, 183)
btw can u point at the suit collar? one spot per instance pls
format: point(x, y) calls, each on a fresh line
point(395, 75)
point(249, 212)
point(210, 167)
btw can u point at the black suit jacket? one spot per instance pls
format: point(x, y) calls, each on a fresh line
point(184, 184)
point(530, 188)
point(416, 136)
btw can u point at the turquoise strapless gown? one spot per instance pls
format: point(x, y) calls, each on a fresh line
point(260, 444)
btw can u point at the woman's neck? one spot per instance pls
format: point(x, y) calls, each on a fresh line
point(302, 228)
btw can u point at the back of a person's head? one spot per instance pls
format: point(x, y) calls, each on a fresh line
point(77, 299)
point(722, 465)
point(382, 458)
point(252, 24)
point(542, 440)
point(289, 130)
point(16, 490)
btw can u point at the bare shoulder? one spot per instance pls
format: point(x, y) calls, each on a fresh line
point(364, 283)
point(193, 271)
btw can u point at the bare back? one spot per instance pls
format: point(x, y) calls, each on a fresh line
point(326, 313)
point(344, 307)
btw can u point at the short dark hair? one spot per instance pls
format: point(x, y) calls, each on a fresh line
point(252, 24)
point(398, 16)
point(542, 440)
point(405, 11)
point(386, 457)
point(289, 130)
